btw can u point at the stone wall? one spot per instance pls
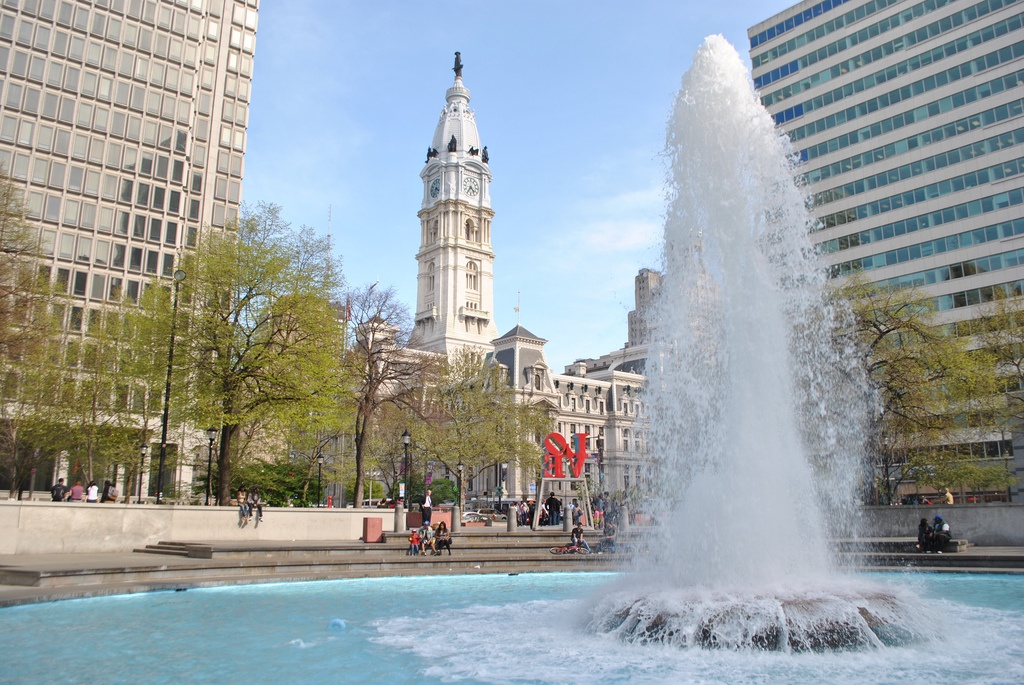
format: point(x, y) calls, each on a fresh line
point(983, 524)
point(49, 527)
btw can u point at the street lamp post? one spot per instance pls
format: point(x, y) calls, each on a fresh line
point(457, 509)
point(179, 276)
point(319, 482)
point(143, 451)
point(211, 435)
point(501, 483)
point(403, 487)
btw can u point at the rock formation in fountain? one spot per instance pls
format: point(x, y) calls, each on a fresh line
point(756, 408)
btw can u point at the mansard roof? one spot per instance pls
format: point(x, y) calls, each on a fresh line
point(520, 332)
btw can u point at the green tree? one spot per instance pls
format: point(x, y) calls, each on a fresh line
point(931, 389)
point(29, 360)
point(259, 336)
point(473, 417)
point(1000, 330)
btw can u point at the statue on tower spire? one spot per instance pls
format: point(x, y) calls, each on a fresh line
point(458, 65)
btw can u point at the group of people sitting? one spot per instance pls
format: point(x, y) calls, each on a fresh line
point(933, 538)
point(249, 502)
point(607, 543)
point(434, 538)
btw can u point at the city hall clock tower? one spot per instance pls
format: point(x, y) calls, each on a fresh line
point(455, 288)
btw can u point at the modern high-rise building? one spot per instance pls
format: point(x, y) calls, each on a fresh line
point(126, 122)
point(907, 115)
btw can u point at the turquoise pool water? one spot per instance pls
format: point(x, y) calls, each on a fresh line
point(467, 629)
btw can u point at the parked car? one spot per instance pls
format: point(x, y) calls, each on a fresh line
point(487, 514)
point(474, 517)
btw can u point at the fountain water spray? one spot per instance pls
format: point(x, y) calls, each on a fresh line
point(756, 406)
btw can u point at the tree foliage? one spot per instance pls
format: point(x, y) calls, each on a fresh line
point(472, 416)
point(931, 389)
point(259, 335)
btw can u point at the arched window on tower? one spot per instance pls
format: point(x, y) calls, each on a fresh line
point(433, 231)
point(472, 233)
point(431, 268)
point(472, 277)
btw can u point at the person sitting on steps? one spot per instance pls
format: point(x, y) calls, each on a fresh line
point(923, 530)
point(442, 539)
point(939, 536)
point(427, 538)
point(577, 538)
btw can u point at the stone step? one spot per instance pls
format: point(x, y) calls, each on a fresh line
point(213, 571)
point(898, 544)
point(175, 550)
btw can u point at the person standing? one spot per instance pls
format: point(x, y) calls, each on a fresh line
point(554, 507)
point(59, 491)
point(427, 509)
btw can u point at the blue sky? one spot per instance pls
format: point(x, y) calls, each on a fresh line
point(571, 98)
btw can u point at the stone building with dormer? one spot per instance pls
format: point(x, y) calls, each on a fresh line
point(454, 309)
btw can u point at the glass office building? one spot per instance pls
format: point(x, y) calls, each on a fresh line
point(125, 120)
point(907, 115)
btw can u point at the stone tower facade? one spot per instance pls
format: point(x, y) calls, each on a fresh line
point(455, 288)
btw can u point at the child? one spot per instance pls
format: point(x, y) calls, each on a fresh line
point(414, 544)
point(427, 537)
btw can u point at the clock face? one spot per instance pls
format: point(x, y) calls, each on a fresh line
point(435, 187)
point(471, 186)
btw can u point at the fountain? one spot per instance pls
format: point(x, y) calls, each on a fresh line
point(743, 406)
point(753, 401)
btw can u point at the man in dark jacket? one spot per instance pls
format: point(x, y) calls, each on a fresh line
point(59, 491)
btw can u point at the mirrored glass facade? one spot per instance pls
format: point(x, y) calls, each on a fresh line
point(907, 116)
point(126, 122)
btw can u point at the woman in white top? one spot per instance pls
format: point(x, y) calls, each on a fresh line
point(92, 493)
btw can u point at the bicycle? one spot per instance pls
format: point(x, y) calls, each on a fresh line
point(570, 549)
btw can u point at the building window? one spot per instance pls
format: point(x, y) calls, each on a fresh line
point(472, 277)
